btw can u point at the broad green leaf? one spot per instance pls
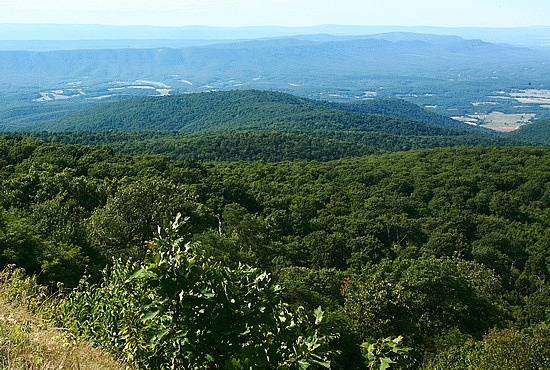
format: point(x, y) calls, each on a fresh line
point(150, 315)
point(385, 363)
point(318, 313)
point(142, 274)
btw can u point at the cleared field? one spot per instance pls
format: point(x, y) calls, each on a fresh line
point(532, 96)
point(505, 122)
point(497, 120)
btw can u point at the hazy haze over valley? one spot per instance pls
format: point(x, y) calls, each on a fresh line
point(426, 52)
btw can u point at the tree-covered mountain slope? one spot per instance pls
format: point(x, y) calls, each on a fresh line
point(252, 109)
point(252, 125)
point(269, 146)
point(535, 133)
point(399, 108)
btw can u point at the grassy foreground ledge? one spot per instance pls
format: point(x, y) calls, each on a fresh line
point(29, 341)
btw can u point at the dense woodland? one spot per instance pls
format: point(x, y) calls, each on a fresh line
point(259, 125)
point(446, 247)
point(260, 110)
point(538, 133)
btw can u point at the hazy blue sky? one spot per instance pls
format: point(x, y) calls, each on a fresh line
point(451, 13)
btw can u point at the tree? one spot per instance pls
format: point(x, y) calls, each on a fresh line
point(500, 349)
point(132, 213)
point(423, 299)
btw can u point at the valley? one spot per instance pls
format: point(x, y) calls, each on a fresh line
point(498, 121)
point(507, 109)
point(452, 76)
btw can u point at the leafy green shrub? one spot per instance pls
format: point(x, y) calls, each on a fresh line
point(181, 309)
point(381, 354)
point(500, 349)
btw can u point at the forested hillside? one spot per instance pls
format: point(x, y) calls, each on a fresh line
point(537, 133)
point(446, 247)
point(254, 109)
point(398, 108)
point(259, 125)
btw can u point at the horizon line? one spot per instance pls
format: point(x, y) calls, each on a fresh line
point(267, 26)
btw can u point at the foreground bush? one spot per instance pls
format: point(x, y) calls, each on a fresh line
point(181, 309)
point(500, 349)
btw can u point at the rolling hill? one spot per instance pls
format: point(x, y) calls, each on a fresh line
point(538, 132)
point(252, 124)
point(258, 110)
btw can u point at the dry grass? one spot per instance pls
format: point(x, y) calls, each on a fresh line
point(28, 342)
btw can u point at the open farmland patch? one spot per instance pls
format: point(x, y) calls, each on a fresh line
point(497, 120)
point(532, 96)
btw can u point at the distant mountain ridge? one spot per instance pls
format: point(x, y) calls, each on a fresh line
point(451, 75)
point(523, 36)
point(280, 60)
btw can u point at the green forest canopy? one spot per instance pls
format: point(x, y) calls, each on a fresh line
point(261, 125)
point(438, 245)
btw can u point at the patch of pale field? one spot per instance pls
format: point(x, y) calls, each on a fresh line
point(154, 83)
point(143, 87)
point(101, 97)
point(506, 122)
point(466, 119)
point(163, 92)
point(534, 100)
point(497, 120)
point(532, 96)
point(478, 103)
point(503, 128)
point(532, 93)
point(60, 97)
point(53, 95)
point(499, 97)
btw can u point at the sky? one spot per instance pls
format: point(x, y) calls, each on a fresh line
point(293, 13)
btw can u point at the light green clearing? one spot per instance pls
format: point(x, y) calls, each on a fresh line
point(498, 120)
